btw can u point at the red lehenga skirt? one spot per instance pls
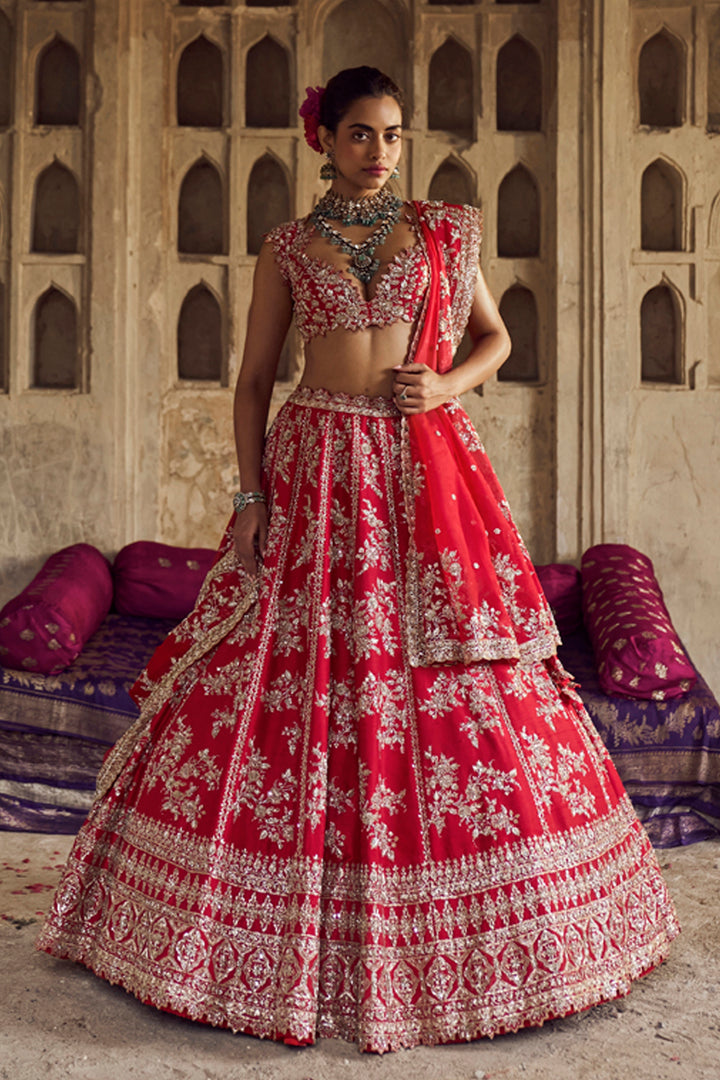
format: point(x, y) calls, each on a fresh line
point(304, 836)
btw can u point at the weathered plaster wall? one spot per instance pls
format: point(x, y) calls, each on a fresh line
point(586, 451)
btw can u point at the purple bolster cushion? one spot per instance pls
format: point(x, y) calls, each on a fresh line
point(637, 650)
point(158, 581)
point(45, 628)
point(563, 588)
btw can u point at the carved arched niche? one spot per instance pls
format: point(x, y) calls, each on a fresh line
point(56, 216)
point(660, 336)
point(518, 82)
point(3, 347)
point(661, 202)
point(452, 183)
point(268, 200)
point(713, 85)
point(201, 215)
point(518, 221)
point(661, 81)
point(450, 90)
point(6, 71)
point(364, 33)
point(519, 312)
point(55, 362)
point(57, 100)
point(267, 85)
point(714, 326)
point(199, 336)
point(200, 85)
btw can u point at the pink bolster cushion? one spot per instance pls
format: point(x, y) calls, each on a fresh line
point(562, 586)
point(158, 581)
point(637, 650)
point(45, 628)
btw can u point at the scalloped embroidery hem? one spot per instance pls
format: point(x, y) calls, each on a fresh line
point(569, 1002)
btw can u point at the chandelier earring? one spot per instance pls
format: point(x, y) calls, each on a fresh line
point(328, 170)
point(395, 174)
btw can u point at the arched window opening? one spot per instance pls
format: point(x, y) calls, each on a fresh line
point(519, 312)
point(661, 208)
point(200, 85)
point(452, 183)
point(518, 228)
point(660, 336)
point(450, 90)
point(201, 216)
point(199, 336)
point(56, 220)
point(713, 91)
point(519, 86)
point(58, 85)
point(3, 346)
point(713, 233)
point(714, 327)
point(661, 81)
point(55, 364)
point(6, 70)
point(364, 33)
point(267, 85)
point(268, 201)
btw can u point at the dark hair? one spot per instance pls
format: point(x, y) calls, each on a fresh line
point(349, 85)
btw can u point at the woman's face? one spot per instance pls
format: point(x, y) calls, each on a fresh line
point(366, 145)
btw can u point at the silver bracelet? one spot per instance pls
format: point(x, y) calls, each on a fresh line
point(241, 499)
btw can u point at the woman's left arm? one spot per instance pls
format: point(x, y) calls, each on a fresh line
point(426, 389)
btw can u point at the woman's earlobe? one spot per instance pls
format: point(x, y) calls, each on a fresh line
point(326, 139)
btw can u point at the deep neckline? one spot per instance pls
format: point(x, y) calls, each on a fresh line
point(403, 255)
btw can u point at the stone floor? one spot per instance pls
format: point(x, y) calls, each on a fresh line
point(59, 1021)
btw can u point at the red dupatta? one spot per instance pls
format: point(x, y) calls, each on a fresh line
point(471, 590)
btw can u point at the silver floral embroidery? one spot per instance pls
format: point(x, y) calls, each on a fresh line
point(478, 807)
point(181, 783)
point(273, 808)
point(561, 778)
point(375, 810)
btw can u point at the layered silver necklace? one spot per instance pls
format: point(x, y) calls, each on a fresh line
point(382, 209)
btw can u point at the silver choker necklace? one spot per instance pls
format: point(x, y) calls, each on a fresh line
point(383, 208)
point(365, 211)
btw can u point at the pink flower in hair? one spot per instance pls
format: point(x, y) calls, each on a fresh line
point(310, 112)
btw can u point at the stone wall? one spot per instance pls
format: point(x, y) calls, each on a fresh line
point(146, 146)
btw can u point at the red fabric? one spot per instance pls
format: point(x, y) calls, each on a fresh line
point(562, 585)
point(159, 581)
point(45, 628)
point(306, 836)
point(637, 650)
point(465, 541)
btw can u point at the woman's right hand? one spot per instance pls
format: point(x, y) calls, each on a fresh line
point(250, 535)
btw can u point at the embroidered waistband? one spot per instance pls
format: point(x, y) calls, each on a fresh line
point(359, 404)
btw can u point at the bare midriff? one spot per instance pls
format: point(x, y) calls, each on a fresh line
point(361, 361)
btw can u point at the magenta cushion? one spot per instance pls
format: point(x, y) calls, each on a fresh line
point(45, 628)
point(637, 650)
point(562, 586)
point(159, 581)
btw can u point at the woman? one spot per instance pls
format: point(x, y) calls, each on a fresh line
point(362, 798)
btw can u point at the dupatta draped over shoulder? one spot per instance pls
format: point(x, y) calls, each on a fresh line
point(471, 590)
